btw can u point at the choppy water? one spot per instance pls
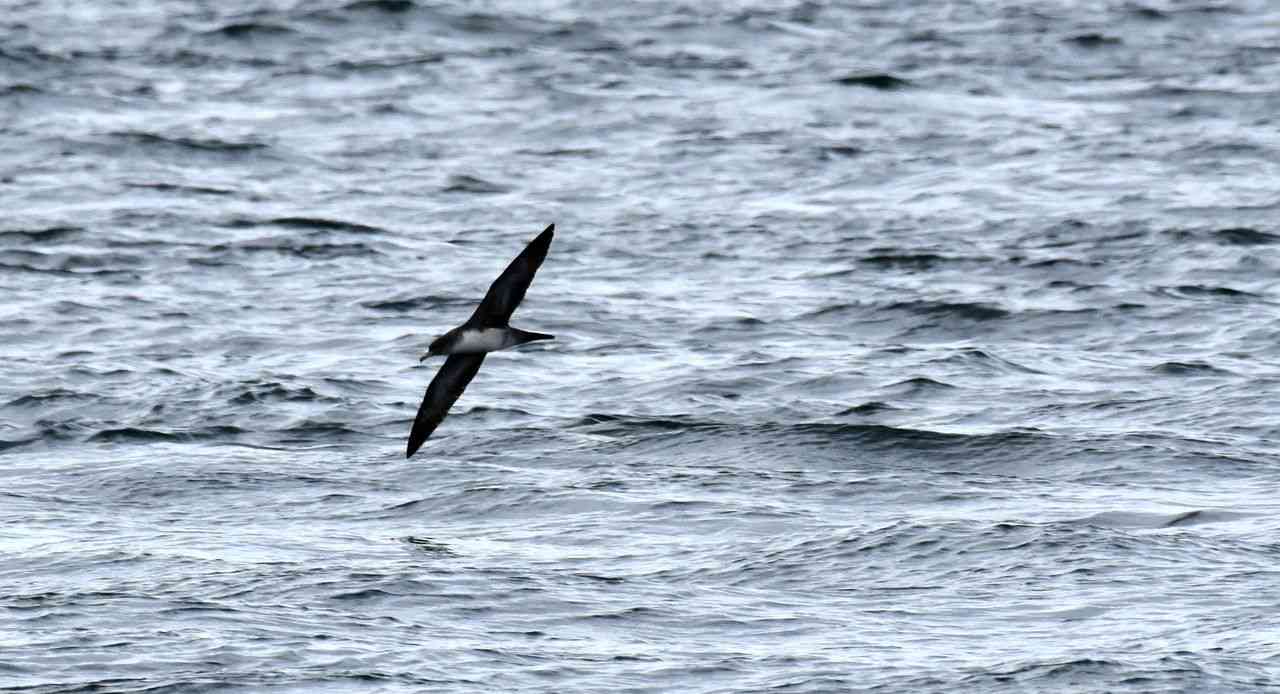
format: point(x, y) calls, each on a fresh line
point(901, 347)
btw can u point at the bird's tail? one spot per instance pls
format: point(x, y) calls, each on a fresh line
point(523, 336)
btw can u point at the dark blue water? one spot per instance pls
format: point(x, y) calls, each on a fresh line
point(900, 347)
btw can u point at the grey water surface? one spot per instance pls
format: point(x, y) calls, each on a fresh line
point(901, 346)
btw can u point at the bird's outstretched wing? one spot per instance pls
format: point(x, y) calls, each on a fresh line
point(450, 381)
point(508, 290)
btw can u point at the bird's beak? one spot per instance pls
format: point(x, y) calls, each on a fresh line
point(423, 357)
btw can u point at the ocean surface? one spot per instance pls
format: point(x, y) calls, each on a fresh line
point(901, 346)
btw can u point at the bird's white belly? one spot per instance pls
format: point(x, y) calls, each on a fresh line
point(485, 340)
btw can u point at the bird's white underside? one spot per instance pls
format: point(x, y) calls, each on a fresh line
point(483, 340)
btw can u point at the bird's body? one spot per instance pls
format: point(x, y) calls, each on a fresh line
point(470, 340)
point(487, 330)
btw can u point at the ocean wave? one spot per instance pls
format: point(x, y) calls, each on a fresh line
point(963, 310)
point(463, 183)
point(45, 235)
point(271, 391)
point(144, 435)
point(868, 436)
point(322, 224)
point(181, 188)
point(191, 144)
point(414, 304)
point(882, 81)
point(1192, 368)
point(296, 248)
point(1245, 236)
point(250, 30)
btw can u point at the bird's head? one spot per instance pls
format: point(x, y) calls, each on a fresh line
point(436, 347)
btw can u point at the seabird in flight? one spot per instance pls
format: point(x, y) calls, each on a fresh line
point(487, 330)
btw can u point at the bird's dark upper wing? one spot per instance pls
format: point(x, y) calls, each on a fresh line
point(450, 381)
point(508, 290)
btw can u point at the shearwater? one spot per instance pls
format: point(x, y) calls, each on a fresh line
point(487, 330)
